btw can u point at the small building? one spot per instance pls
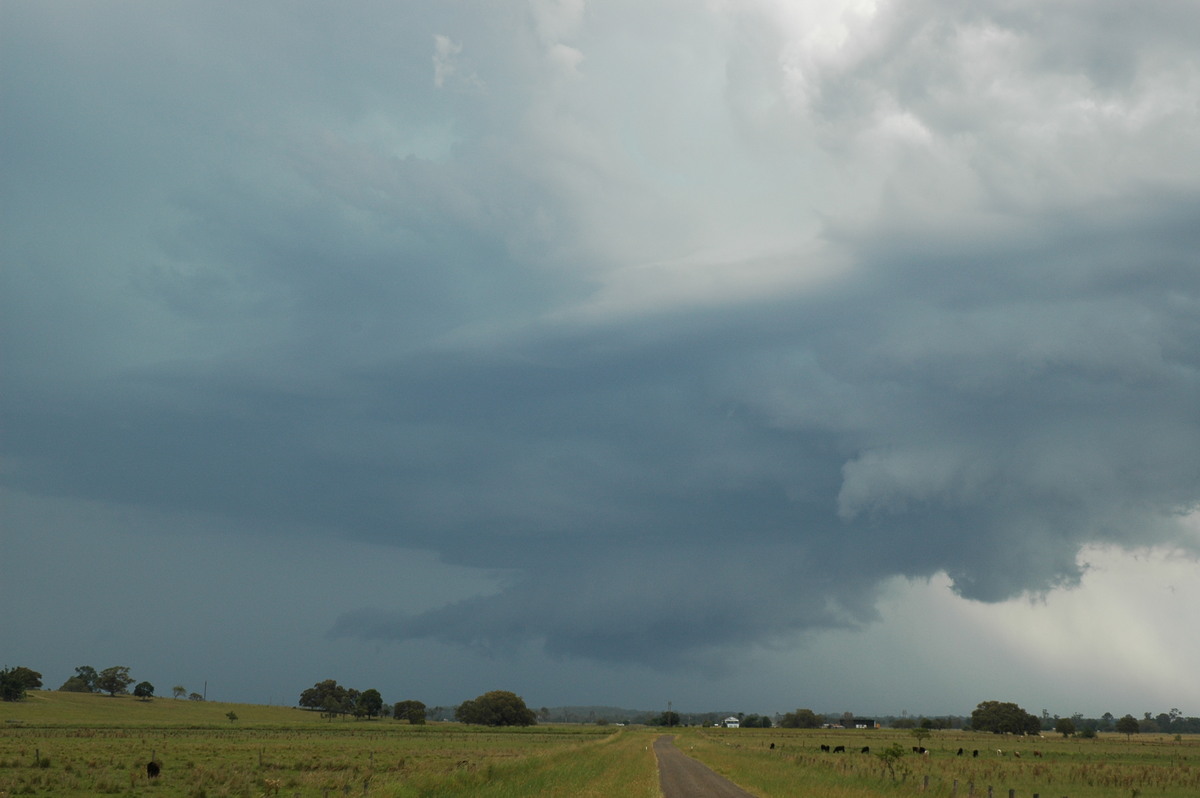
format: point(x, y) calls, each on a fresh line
point(865, 723)
point(731, 723)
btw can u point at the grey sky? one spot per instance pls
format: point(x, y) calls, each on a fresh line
point(610, 353)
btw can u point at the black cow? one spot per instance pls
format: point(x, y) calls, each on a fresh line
point(866, 749)
point(975, 753)
point(152, 770)
point(960, 752)
point(772, 746)
point(839, 749)
point(825, 748)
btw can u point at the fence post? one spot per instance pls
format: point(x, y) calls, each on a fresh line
point(954, 789)
point(1012, 794)
point(925, 784)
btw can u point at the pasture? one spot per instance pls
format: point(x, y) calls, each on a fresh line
point(62, 744)
point(70, 744)
point(1106, 767)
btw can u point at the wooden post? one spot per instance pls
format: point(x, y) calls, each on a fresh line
point(1012, 794)
point(989, 791)
point(970, 788)
point(925, 784)
point(954, 789)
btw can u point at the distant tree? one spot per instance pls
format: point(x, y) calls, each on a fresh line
point(195, 697)
point(753, 721)
point(179, 691)
point(904, 723)
point(412, 711)
point(1128, 725)
point(800, 719)
point(115, 680)
point(921, 733)
point(496, 708)
point(668, 718)
point(88, 675)
point(1000, 717)
point(328, 696)
point(370, 702)
point(231, 715)
point(144, 690)
point(74, 684)
point(16, 682)
point(1065, 727)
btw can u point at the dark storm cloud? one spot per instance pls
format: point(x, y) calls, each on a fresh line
point(453, 282)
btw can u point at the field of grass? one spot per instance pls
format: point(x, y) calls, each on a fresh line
point(1107, 767)
point(69, 744)
point(72, 744)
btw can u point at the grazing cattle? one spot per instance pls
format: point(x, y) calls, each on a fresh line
point(1038, 754)
point(825, 748)
point(1000, 751)
point(839, 749)
point(772, 746)
point(152, 770)
point(1017, 754)
point(975, 752)
point(866, 749)
point(960, 752)
point(916, 749)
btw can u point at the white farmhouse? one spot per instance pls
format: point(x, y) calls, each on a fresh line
point(731, 723)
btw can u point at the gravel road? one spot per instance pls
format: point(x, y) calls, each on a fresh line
point(680, 776)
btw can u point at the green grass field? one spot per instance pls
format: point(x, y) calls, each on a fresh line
point(1107, 767)
point(73, 744)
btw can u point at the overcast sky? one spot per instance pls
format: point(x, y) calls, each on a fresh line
point(746, 355)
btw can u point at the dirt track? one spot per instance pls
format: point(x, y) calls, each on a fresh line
point(680, 776)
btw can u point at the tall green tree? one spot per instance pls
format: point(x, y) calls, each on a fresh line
point(1002, 717)
point(496, 708)
point(16, 682)
point(369, 703)
point(1064, 726)
point(412, 711)
point(144, 690)
point(115, 680)
point(1128, 726)
point(800, 719)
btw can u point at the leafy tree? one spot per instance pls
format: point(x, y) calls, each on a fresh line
point(1004, 717)
point(328, 696)
point(231, 715)
point(800, 719)
point(370, 702)
point(890, 756)
point(412, 711)
point(178, 691)
point(144, 690)
point(115, 680)
point(496, 708)
point(87, 674)
point(195, 697)
point(1128, 726)
point(1065, 727)
point(16, 682)
point(922, 734)
point(74, 684)
point(668, 718)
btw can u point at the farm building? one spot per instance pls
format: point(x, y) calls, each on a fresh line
point(731, 723)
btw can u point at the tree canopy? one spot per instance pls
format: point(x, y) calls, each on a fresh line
point(1002, 717)
point(16, 682)
point(114, 680)
point(496, 708)
point(800, 719)
point(412, 711)
point(1128, 726)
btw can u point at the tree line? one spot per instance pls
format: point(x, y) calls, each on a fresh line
point(495, 708)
